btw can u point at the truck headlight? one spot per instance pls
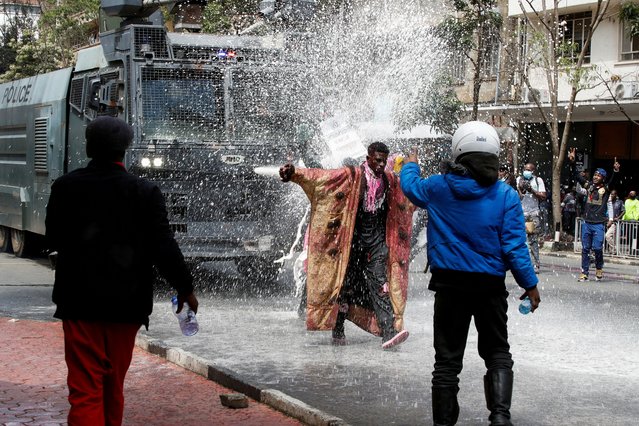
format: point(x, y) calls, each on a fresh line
point(263, 243)
point(157, 162)
point(145, 162)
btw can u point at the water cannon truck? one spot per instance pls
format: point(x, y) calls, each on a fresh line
point(207, 112)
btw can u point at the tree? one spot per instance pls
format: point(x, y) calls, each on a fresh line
point(16, 26)
point(61, 28)
point(557, 58)
point(438, 107)
point(227, 16)
point(469, 32)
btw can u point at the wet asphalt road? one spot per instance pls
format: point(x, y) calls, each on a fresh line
point(576, 358)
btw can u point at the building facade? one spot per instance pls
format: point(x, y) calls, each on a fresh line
point(606, 114)
point(12, 9)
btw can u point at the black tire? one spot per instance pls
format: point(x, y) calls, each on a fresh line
point(19, 242)
point(5, 239)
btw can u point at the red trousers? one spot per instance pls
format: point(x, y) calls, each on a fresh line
point(98, 355)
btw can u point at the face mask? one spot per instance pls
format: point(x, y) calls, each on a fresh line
point(527, 174)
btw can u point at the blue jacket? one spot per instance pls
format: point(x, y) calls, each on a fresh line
point(471, 228)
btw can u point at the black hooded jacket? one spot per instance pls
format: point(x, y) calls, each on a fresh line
point(109, 229)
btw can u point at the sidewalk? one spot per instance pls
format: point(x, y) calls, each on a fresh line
point(33, 386)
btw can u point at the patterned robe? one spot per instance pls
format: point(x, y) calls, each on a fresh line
point(334, 196)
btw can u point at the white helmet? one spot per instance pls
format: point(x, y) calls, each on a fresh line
point(475, 136)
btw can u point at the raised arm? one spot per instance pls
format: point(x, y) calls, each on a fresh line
point(573, 170)
point(615, 169)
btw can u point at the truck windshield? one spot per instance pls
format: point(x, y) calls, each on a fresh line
point(182, 104)
point(266, 104)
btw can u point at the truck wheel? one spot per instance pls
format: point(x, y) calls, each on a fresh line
point(5, 239)
point(19, 242)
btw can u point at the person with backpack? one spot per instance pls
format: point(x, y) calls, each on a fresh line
point(475, 234)
point(532, 192)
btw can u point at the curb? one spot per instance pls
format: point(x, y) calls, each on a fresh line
point(573, 255)
point(230, 379)
point(614, 260)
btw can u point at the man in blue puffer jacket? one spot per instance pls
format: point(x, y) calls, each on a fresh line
point(475, 234)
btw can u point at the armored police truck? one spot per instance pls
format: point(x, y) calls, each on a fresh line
point(207, 113)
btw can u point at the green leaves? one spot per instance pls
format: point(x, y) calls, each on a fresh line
point(439, 107)
point(629, 12)
point(226, 16)
point(50, 47)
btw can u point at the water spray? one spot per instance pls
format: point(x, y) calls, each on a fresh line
point(298, 237)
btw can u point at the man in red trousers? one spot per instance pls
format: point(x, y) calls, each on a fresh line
point(109, 228)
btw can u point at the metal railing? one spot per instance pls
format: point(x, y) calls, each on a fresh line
point(625, 239)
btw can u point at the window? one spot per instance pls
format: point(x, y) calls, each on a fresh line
point(490, 66)
point(574, 35)
point(629, 44)
point(458, 67)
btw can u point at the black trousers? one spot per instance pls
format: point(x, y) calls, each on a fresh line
point(364, 284)
point(453, 312)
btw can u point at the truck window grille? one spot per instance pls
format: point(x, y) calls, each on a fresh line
point(40, 155)
point(76, 98)
point(263, 113)
point(105, 79)
point(153, 39)
point(181, 100)
point(108, 76)
point(129, 83)
point(210, 53)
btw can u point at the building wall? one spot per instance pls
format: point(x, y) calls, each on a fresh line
point(11, 8)
point(514, 9)
point(605, 58)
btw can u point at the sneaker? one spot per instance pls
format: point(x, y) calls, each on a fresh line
point(582, 277)
point(395, 339)
point(339, 338)
point(537, 269)
point(598, 274)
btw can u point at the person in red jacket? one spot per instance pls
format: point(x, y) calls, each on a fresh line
point(109, 229)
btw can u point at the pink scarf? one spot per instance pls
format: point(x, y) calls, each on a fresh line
point(375, 190)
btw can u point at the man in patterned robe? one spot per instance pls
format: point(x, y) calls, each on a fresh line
point(359, 246)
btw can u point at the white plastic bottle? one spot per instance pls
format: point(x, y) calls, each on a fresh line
point(186, 318)
point(525, 306)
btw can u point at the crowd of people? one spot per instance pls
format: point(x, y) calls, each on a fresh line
point(482, 222)
point(594, 203)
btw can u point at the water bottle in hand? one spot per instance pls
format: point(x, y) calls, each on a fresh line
point(186, 318)
point(525, 306)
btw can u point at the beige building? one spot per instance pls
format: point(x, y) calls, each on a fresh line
point(602, 128)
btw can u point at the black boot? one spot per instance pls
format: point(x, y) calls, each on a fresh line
point(301, 309)
point(339, 338)
point(445, 406)
point(498, 388)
